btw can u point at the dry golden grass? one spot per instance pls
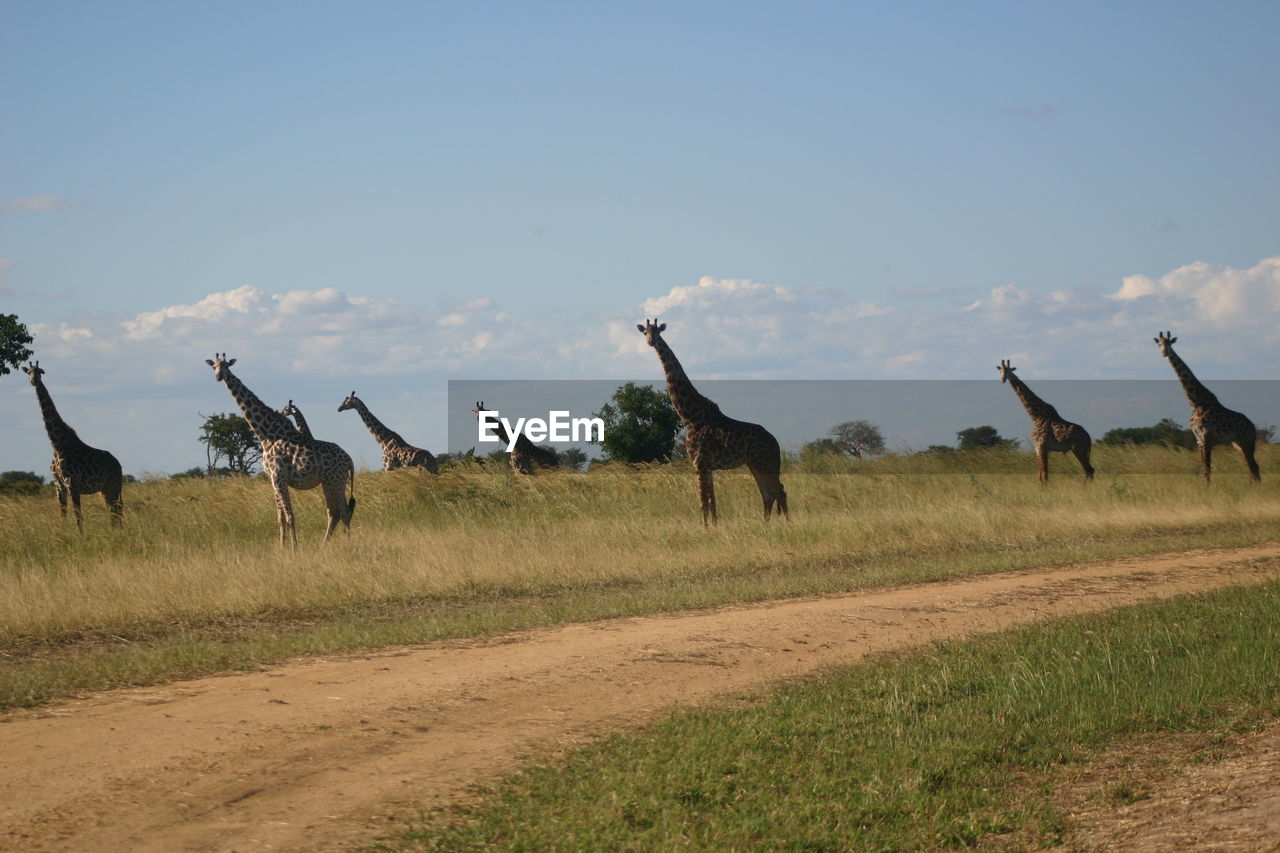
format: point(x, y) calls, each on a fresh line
point(205, 550)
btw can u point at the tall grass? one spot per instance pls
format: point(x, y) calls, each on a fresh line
point(488, 550)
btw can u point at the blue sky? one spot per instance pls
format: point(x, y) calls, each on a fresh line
point(391, 195)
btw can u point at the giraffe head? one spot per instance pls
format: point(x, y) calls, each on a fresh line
point(651, 330)
point(350, 403)
point(34, 371)
point(479, 407)
point(290, 409)
point(1006, 370)
point(1164, 340)
point(220, 365)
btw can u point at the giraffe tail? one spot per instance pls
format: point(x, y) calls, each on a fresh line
point(351, 502)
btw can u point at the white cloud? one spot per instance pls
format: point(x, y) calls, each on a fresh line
point(1220, 295)
point(34, 204)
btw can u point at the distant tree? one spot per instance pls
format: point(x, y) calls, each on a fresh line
point(228, 438)
point(189, 474)
point(1266, 434)
point(939, 448)
point(984, 437)
point(573, 458)
point(20, 482)
point(858, 437)
point(820, 447)
point(1167, 432)
point(640, 425)
point(14, 338)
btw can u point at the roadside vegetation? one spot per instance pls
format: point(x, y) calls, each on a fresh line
point(962, 744)
point(194, 583)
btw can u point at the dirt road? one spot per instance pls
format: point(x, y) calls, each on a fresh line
point(320, 754)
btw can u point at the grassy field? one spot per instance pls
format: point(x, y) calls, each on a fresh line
point(940, 749)
point(195, 583)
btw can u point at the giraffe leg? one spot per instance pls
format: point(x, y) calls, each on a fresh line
point(284, 514)
point(334, 501)
point(707, 492)
point(111, 495)
point(1246, 449)
point(75, 504)
point(771, 491)
point(1206, 463)
point(115, 506)
point(1081, 452)
point(60, 489)
point(1042, 460)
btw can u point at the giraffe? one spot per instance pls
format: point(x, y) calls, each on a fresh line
point(715, 441)
point(290, 410)
point(292, 459)
point(77, 468)
point(526, 456)
point(396, 452)
point(1211, 422)
point(1049, 432)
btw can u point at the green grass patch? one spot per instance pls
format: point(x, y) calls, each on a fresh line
point(942, 748)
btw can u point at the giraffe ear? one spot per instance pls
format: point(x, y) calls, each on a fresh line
point(662, 328)
point(639, 328)
point(231, 362)
point(209, 362)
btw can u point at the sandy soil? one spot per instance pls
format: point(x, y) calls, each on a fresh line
point(323, 754)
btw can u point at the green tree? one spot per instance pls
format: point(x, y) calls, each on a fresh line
point(640, 425)
point(573, 459)
point(228, 438)
point(20, 482)
point(819, 447)
point(984, 437)
point(1167, 432)
point(858, 437)
point(14, 338)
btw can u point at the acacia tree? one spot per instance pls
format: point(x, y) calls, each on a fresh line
point(857, 438)
point(640, 424)
point(228, 437)
point(14, 338)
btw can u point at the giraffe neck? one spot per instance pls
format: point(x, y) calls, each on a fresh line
point(1035, 407)
point(381, 434)
point(267, 424)
point(61, 435)
point(1199, 396)
point(501, 429)
point(302, 423)
point(689, 404)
